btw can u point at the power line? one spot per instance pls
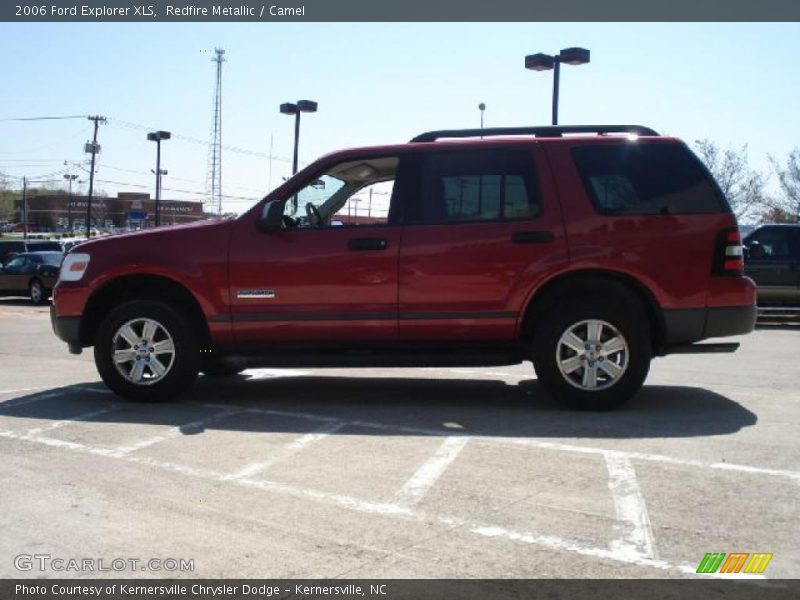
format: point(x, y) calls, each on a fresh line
point(193, 192)
point(44, 118)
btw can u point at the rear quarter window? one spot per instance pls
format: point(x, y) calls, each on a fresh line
point(647, 179)
point(43, 246)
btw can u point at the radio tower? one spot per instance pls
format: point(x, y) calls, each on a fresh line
point(214, 177)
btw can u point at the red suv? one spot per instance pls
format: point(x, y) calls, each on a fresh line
point(587, 250)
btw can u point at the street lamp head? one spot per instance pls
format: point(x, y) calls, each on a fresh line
point(574, 56)
point(158, 136)
point(288, 108)
point(539, 62)
point(307, 106)
point(481, 106)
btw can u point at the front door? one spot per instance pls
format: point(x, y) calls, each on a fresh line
point(329, 274)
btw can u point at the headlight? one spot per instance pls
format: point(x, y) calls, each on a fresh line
point(73, 267)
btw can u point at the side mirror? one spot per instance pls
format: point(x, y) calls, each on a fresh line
point(271, 217)
point(756, 251)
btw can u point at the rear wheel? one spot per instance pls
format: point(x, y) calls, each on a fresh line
point(593, 352)
point(37, 292)
point(146, 351)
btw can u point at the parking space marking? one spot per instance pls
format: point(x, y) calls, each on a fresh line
point(381, 508)
point(35, 398)
point(630, 508)
point(273, 373)
point(174, 432)
point(429, 472)
point(63, 422)
point(18, 390)
point(290, 449)
point(425, 431)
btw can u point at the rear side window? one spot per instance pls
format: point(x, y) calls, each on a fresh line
point(470, 185)
point(647, 179)
point(43, 246)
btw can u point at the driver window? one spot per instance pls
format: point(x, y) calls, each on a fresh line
point(354, 193)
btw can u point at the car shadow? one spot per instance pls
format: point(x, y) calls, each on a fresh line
point(394, 406)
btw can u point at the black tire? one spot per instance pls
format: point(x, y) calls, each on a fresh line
point(617, 308)
point(221, 368)
point(37, 292)
point(185, 363)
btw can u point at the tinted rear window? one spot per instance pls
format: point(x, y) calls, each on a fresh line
point(12, 246)
point(647, 179)
point(40, 246)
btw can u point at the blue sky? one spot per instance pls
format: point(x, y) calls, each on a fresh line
point(375, 83)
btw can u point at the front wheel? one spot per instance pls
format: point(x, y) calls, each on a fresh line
point(594, 352)
point(146, 351)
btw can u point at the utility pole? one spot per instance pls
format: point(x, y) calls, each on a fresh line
point(24, 208)
point(92, 147)
point(70, 178)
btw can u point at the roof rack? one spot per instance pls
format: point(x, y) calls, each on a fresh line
point(544, 131)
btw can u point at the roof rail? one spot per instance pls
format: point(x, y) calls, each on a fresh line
point(544, 131)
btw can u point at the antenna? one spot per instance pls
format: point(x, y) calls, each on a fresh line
point(214, 177)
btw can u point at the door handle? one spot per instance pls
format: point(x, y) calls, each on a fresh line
point(367, 244)
point(532, 237)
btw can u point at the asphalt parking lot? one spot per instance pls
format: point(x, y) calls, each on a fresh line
point(446, 473)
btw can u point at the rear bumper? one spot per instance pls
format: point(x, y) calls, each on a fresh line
point(694, 324)
point(67, 329)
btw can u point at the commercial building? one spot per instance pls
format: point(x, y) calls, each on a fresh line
point(54, 212)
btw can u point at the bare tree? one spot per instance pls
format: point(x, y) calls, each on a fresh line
point(788, 205)
point(742, 186)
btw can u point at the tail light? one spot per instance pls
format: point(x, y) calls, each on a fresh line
point(729, 257)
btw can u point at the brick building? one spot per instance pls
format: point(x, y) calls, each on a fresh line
point(130, 210)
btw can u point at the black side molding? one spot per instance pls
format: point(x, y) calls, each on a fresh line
point(702, 348)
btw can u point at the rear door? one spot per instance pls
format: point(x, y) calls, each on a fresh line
point(481, 226)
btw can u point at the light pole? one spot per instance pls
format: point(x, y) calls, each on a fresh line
point(545, 62)
point(289, 108)
point(70, 178)
point(157, 137)
point(481, 107)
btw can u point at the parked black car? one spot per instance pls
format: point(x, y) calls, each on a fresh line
point(772, 260)
point(31, 273)
point(9, 248)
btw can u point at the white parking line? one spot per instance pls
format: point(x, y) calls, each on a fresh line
point(173, 432)
point(18, 390)
point(380, 508)
point(545, 445)
point(428, 474)
point(301, 443)
point(637, 539)
point(77, 418)
point(31, 399)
